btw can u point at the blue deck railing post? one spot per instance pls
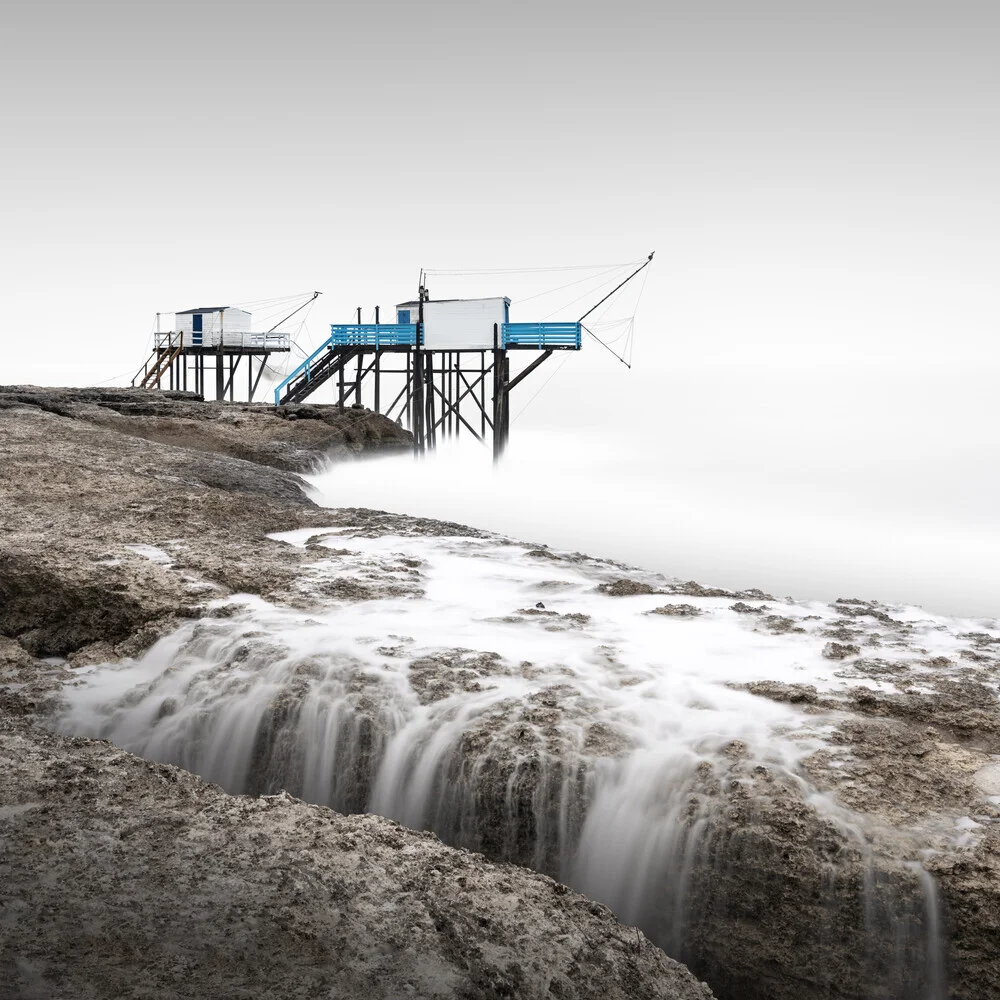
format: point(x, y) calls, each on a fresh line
point(377, 335)
point(542, 336)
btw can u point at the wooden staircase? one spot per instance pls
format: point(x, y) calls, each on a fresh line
point(163, 356)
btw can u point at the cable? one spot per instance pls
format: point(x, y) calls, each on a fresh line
point(114, 378)
point(628, 323)
point(605, 346)
point(590, 291)
point(645, 278)
point(570, 284)
point(279, 298)
point(525, 270)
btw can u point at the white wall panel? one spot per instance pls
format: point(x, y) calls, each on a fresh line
point(462, 324)
point(233, 324)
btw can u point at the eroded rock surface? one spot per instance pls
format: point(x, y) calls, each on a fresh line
point(120, 877)
point(296, 438)
point(538, 716)
point(127, 878)
point(89, 486)
point(800, 872)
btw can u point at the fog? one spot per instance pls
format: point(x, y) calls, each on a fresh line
point(872, 483)
point(810, 405)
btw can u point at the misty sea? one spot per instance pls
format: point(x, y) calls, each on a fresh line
point(853, 485)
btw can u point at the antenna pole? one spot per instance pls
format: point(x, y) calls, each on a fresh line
point(649, 260)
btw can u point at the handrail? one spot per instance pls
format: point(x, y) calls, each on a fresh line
point(306, 367)
point(541, 335)
point(224, 338)
point(380, 335)
point(162, 358)
point(374, 334)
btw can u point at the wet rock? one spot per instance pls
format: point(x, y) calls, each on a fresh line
point(971, 885)
point(902, 771)
point(968, 709)
point(777, 885)
point(677, 611)
point(693, 589)
point(981, 639)
point(134, 878)
point(623, 587)
point(780, 624)
point(795, 694)
point(440, 676)
point(839, 650)
point(844, 631)
point(854, 608)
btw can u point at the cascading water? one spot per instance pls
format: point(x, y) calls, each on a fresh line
point(495, 695)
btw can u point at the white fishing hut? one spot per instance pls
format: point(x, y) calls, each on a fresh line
point(458, 324)
point(214, 326)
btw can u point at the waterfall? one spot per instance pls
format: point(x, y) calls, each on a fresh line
point(512, 708)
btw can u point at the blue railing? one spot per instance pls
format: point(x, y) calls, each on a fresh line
point(542, 335)
point(379, 335)
point(374, 335)
point(305, 367)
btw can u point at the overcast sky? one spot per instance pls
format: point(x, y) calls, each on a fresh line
point(819, 181)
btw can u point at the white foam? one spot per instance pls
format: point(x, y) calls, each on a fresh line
point(276, 697)
point(152, 553)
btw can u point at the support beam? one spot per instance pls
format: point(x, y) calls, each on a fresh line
point(430, 432)
point(233, 365)
point(470, 389)
point(499, 394)
point(405, 391)
point(505, 426)
point(527, 371)
point(260, 371)
point(450, 409)
point(417, 420)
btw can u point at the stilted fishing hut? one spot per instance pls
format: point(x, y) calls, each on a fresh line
point(207, 346)
point(454, 357)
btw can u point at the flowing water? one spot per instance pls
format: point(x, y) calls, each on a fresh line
point(497, 695)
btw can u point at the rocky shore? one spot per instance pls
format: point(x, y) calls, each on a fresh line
point(867, 869)
point(121, 877)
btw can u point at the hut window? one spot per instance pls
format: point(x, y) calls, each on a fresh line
point(196, 323)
